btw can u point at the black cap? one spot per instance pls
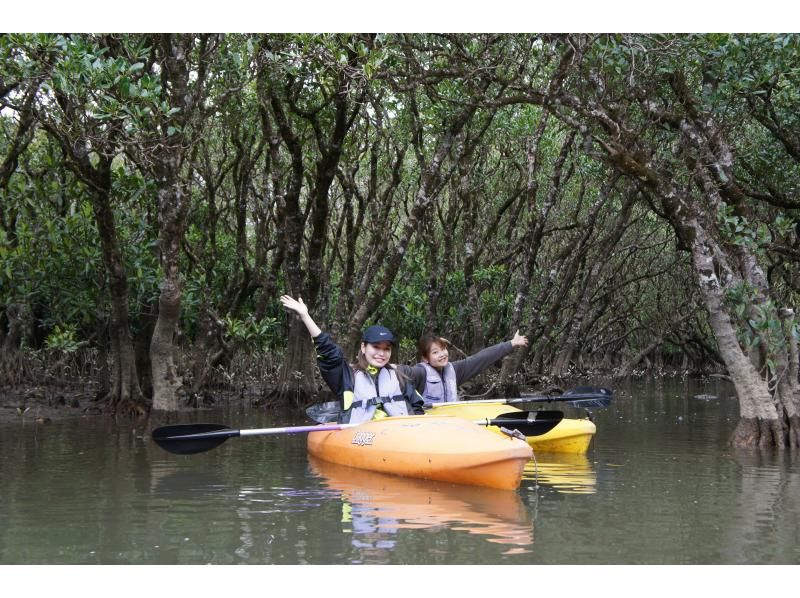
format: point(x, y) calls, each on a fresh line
point(378, 334)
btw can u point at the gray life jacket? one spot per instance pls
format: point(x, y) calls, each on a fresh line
point(440, 388)
point(370, 392)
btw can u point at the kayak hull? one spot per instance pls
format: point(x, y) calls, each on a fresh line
point(569, 436)
point(444, 448)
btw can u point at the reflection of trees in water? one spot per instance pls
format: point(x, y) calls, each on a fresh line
point(767, 506)
point(177, 520)
point(375, 507)
point(240, 504)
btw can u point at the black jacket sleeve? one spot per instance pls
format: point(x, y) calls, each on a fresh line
point(416, 375)
point(332, 365)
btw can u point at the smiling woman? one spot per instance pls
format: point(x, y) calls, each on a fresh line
point(372, 388)
point(441, 378)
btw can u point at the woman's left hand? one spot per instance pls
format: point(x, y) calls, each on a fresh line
point(519, 340)
point(296, 305)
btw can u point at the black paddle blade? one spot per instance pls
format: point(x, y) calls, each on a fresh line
point(188, 439)
point(529, 423)
point(324, 413)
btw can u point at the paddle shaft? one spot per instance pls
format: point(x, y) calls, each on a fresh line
point(582, 396)
point(260, 431)
point(532, 399)
point(188, 439)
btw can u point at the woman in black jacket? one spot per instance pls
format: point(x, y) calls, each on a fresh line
point(373, 387)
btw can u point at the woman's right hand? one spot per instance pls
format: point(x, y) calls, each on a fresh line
point(301, 309)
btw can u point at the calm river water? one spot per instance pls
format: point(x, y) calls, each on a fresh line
point(658, 486)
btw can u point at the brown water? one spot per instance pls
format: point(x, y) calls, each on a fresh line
point(658, 486)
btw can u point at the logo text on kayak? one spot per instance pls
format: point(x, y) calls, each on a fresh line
point(363, 438)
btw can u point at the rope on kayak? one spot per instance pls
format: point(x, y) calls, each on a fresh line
point(512, 433)
point(535, 470)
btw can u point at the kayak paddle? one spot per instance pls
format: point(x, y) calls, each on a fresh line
point(581, 396)
point(188, 439)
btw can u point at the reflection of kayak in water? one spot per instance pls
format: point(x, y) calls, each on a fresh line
point(569, 436)
point(448, 449)
point(391, 502)
point(568, 474)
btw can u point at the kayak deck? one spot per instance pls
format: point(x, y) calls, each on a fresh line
point(569, 436)
point(443, 448)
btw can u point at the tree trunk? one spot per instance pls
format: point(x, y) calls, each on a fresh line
point(469, 205)
point(124, 391)
point(20, 326)
point(565, 354)
point(537, 215)
point(759, 425)
point(103, 374)
point(296, 382)
point(13, 365)
point(185, 60)
point(583, 306)
point(166, 379)
point(788, 386)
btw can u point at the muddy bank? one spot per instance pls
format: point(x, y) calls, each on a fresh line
point(46, 404)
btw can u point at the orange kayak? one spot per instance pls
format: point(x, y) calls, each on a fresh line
point(443, 448)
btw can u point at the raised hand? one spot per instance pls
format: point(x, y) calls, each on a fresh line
point(519, 340)
point(296, 305)
point(301, 309)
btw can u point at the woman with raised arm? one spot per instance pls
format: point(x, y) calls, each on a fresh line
point(442, 377)
point(372, 388)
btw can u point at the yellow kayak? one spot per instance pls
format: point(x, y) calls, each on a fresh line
point(569, 436)
point(434, 447)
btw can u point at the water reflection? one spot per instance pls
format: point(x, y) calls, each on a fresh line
point(660, 485)
point(169, 481)
point(376, 506)
point(566, 473)
point(768, 497)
